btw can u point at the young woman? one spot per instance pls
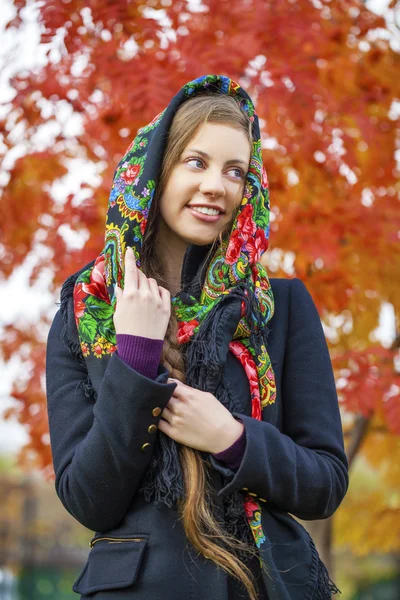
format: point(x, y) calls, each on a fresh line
point(191, 400)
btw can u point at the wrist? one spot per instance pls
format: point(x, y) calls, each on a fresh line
point(140, 353)
point(228, 436)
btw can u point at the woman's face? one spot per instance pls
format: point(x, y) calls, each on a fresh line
point(206, 185)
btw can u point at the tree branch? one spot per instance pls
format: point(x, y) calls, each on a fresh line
point(357, 437)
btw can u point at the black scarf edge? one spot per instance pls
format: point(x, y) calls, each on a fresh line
point(324, 587)
point(73, 346)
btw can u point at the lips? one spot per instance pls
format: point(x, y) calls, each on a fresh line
point(202, 216)
point(214, 206)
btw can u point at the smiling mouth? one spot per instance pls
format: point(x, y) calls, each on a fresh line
point(207, 211)
point(205, 214)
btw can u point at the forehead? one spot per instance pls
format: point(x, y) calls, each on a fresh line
point(220, 140)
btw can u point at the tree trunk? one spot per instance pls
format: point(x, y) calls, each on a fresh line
point(321, 531)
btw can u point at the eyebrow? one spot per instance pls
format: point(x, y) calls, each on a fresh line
point(228, 162)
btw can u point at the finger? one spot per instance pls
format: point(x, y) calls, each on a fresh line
point(179, 391)
point(131, 270)
point(165, 427)
point(167, 414)
point(153, 285)
point(165, 297)
point(173, 404)
point(143, 282)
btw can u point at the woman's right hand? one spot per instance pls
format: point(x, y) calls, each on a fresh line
point(143, 307)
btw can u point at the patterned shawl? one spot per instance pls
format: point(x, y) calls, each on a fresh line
point(234, 274)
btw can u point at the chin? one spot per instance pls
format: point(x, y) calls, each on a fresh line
point(199, 240)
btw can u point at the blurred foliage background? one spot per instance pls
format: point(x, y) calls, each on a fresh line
point(325, 79)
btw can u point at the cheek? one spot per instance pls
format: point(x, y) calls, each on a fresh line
point(167, 203)
point(176, 195)
point(235, 200)
point(164, 204)
point(170, 207)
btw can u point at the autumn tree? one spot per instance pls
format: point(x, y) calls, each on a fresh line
point(324, 83)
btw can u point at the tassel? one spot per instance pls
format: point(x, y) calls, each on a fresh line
point(324, 586)
point(204, 368)
point(235, 517)
point(88, 389)
point(67, 291)
point(74, 347)
point(163, 480)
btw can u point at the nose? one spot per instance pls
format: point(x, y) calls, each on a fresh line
point(212, 183)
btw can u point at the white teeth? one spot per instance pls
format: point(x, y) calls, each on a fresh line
point(206, 211)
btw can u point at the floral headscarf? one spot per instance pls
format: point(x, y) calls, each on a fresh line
point(233, 274)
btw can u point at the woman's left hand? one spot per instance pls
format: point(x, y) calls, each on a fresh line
point(198, 419)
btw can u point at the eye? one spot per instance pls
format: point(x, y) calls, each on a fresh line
point(195, 160)
point(239, 172)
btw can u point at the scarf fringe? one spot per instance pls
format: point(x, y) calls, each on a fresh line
point(236, 523)
point(74, 346)
point(324, 587)
point(163, 480)
point(66, 293)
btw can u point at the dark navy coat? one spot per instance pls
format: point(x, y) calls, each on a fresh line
point(140, 550)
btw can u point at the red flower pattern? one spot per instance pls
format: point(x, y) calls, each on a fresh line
point(98, 350)
point(185, 330)
point(234, 247)
point(97, 286)
point(130, 174)
point(241, 352)
point(155, 119)
point(250, 507)
point(246, 225)
point(79, 305)
point(264, 181)
point(256, 246)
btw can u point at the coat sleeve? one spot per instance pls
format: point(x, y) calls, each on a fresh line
point(303, 469)
point(97, 445)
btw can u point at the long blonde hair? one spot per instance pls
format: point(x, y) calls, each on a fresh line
point(201, 527)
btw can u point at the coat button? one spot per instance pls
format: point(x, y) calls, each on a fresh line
point(152, 428)
point(252, 494)
point(145, 447)
point(262, 499)
point(245, 489)
point(156, 411)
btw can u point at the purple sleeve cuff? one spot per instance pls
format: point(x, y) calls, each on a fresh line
point(232, 456)
point(140, 353)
